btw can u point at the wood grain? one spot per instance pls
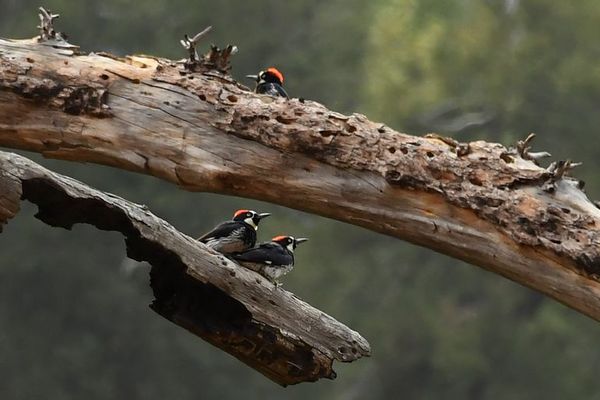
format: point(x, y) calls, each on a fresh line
point(479, 202)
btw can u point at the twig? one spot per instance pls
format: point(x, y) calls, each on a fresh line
point(523, 147)
point(46, 26)
point(190, 43)
point(558, 170)
point(219, 58)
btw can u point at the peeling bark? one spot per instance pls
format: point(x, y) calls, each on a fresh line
point(229, 306)
point(479, 202)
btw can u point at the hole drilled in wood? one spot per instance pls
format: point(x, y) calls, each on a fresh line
point(326, 133)
point(506, 158)
point(475, 181)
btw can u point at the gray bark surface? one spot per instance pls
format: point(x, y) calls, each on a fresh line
point(231, 307)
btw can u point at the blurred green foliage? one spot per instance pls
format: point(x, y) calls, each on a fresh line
point(72, 310)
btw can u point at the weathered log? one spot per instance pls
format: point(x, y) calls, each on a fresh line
point(478, 201)
point(229, 306)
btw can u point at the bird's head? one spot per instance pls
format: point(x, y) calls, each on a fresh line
point(269, 75)
point(250, 217)
point(289, 242)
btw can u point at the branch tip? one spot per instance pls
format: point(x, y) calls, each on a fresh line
point(46, 26)
point(190, 43)
point(523, 150)
point(559, 170)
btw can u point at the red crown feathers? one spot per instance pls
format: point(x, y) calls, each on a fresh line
point(239, 212)
point(275, 71)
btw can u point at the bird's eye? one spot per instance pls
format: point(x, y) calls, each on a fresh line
point(248, 214)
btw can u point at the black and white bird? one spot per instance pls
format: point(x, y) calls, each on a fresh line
point(269, 81)
point(272, 260)
point(236, 235)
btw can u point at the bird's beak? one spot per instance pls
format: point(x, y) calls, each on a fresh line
point(301, 240)
point(253, 77)
point(263, 215)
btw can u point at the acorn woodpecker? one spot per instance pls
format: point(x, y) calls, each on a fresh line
point(269, 81)
point(273, 259)
point(236, 235)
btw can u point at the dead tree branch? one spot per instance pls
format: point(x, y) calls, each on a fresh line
point(229, 306)
point(205, 132)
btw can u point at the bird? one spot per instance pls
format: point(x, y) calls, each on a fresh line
point(273, 259)
point(236, 235)
point(269, 81)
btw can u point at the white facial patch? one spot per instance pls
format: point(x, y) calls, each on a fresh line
point(290, 246)
point(261, 77)
point(250, 222)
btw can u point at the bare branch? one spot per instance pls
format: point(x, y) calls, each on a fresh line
point(190, 44)
point(557, 171)
point(205, 132)
point(46, 26)
point(229, 306)
point(523, 150)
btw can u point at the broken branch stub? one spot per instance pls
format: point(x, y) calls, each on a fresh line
point(216, 59)
point(46, 26)
point(522, 149)
point(231, 307)
point(190, 43)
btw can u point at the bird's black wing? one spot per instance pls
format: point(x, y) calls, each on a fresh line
point(281, 91)
point(272, 89)
point(266, 253)
point(221, 230)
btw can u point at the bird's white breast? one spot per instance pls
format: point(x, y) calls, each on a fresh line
point(274, 272)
